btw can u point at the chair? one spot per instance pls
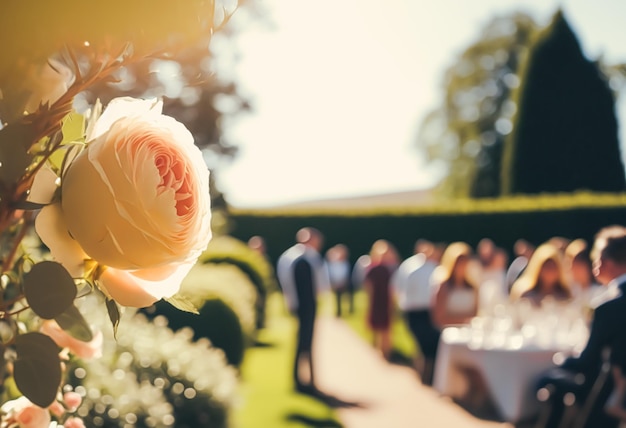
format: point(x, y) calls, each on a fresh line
point(576, 412)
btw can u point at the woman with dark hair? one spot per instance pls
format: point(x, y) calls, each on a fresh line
point(384, 261)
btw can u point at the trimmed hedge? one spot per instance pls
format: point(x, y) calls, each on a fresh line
point(535, 218)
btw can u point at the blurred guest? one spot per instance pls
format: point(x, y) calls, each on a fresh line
point(257, 243)
point(338, 272)
point(438, 251)
point(456, 294)
point(486, 250)
point(359, 270)
point(377, 285)
point(493, 289)
point(559, 242)
point(414, 294)
point(302, 275)
point(578, 374)
point(584, 287)
point(493, 263)
point(523, 251)
point(544, 277)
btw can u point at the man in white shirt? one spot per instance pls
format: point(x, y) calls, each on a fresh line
point(412, 285)
point(302, 274)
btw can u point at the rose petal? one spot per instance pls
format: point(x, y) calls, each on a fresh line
point(44, 186)
point(33, 417)
point(84, 350)
point(74, 423)
point(134, 290)
point(52, 230)
point(72, 400)
point(123, 107)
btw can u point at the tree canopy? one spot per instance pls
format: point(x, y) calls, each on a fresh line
point(467, 132)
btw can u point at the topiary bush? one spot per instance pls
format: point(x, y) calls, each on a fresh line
point(231, 251)
point(225, 299)
point(217, 322)
point(565, 132)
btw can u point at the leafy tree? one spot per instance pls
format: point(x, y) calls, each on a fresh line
point(467, 132)
point(565, 132)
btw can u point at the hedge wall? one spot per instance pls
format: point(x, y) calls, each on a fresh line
point(503, 220)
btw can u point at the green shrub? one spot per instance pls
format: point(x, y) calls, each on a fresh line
point(228, 250)
point(217, 322)
point(225, 299)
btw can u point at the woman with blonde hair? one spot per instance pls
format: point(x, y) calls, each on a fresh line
point(544, 277)
point(383, 258)
point(456, 297)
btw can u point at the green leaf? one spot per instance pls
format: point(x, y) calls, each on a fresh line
point(72, 131)
point(49, 289)
point(72, 321)
point(183, 303)
point(114, 314)
point(37, 369)
point(28, 205)
point(73, 128)
point(15, 139)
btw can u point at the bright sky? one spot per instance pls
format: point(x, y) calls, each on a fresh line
point(339, 87)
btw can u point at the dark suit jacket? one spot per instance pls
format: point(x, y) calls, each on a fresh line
point(608, 330)
point(305, 288)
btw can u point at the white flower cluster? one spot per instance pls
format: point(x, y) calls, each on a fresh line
point(151, 374)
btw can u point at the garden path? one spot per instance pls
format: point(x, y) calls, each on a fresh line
point(389, 395)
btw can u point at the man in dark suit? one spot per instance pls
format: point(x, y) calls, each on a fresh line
point(607, 336)
point(302, 274)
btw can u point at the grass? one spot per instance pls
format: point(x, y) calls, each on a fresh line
point(267, 396)
point(268, 399)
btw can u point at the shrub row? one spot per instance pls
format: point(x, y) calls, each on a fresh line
point(504, 220)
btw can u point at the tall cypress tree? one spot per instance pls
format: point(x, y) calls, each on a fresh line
point(565, 133)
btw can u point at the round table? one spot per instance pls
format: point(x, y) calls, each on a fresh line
point(509, 365)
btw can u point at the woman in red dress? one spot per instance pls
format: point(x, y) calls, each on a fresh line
point(384, 261)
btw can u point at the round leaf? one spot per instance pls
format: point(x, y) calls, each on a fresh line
point(49, 289)
point(74, 324)
point(37, 369)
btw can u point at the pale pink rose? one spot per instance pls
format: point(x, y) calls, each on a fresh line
point(72, 400)
point(25, 414)
point(85, 350)
point(47, 83)
point(56, 409)
point(136, 200)
point(74, 423)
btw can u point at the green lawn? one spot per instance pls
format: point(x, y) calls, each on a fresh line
point(267, 396)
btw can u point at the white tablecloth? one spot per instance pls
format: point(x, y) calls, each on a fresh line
point(509, 368)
